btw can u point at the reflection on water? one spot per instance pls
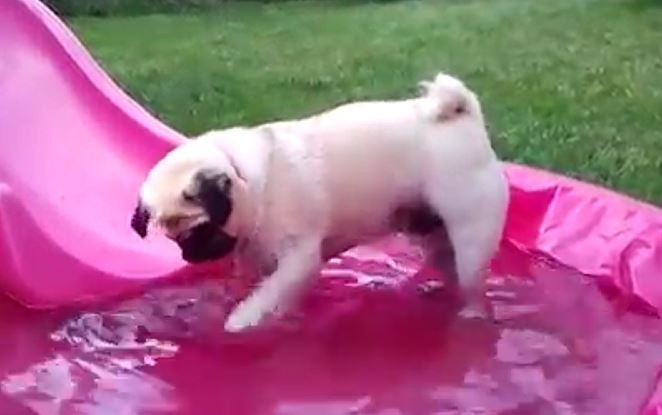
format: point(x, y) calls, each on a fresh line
point(371, 338)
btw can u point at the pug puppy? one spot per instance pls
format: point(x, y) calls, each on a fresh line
point(290, 195)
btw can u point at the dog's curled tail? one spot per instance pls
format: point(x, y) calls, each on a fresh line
point(452, 98)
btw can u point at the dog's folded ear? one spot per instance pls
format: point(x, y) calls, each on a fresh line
point(212, 189)
point(140, 219)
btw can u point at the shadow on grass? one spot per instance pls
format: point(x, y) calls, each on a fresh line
point(109, 8)
point(643, 5)
point(123, 8)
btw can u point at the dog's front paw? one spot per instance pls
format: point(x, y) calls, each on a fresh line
point(247, 314)
point(478, 310)
point(473, 311)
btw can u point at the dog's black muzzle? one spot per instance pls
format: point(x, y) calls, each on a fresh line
point(205, 242)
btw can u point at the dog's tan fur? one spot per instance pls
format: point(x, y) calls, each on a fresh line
point(306, 189)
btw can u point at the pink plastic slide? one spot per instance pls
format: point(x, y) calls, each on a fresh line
point(576, 286)
point(75, 149)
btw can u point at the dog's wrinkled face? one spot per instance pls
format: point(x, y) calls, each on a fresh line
point(189, 195)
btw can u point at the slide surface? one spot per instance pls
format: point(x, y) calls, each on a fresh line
point(74, 151)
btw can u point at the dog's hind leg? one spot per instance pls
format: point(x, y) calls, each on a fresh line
point(474, 215)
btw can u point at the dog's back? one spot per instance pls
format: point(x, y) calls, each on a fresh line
point(374, 155)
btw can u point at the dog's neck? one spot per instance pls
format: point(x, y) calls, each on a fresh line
point(249, 157)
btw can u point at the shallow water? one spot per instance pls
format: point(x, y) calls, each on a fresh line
point(371, 338)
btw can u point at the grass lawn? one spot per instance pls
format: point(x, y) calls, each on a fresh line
point(570, 85)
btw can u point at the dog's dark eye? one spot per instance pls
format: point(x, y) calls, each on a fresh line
point(172, 222)
point(188, 198)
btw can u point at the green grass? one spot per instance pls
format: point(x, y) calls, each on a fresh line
point(574, 86)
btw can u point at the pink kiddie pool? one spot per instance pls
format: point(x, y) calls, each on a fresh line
point(576, 286)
